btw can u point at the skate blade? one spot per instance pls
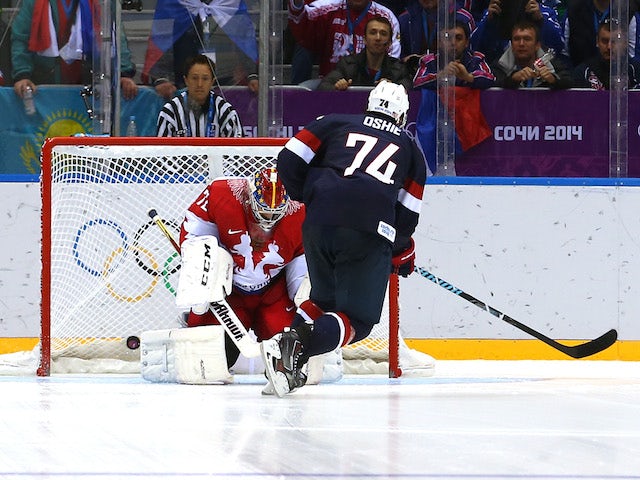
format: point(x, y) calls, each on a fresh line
point(268, 389)
point(277, 380)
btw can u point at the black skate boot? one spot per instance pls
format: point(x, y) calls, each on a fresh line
point(284, 358)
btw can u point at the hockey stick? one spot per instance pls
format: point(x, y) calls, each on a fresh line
point(576, 351)
point(221, 310)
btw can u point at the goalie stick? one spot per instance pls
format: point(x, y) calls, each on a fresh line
point(576, 351)
point(221, 310)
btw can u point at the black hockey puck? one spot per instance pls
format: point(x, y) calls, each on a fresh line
point(133, 342)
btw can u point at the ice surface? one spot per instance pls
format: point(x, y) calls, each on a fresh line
point(471, 420)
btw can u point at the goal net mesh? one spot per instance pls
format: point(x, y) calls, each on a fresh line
point(113, 274)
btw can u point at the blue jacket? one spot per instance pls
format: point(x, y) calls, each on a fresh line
point(489, 40)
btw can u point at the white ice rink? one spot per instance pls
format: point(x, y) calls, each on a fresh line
point(472, 420)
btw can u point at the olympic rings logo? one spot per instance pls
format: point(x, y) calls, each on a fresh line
point(91, 239)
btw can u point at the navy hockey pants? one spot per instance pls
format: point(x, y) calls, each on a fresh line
point(349, 271)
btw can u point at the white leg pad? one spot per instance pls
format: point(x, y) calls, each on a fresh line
point(185, 355)
point(325, 368)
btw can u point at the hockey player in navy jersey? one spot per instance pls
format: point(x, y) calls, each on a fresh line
point(361, 178)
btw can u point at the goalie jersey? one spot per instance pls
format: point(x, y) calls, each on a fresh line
point(357, 171)
point(259, 256)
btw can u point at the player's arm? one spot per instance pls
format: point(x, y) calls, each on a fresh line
point(197, 221)
point(408, 209)
point(294, 159)
point(295, 274)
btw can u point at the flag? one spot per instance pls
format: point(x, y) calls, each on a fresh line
point(471, 127)
point(173, 18)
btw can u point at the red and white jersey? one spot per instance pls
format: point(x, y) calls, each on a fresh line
point(330, 30)
point(223, 210)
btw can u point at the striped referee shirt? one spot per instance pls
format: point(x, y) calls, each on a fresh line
point(219, 121)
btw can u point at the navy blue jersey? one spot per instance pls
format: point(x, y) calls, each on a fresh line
point(357, 171)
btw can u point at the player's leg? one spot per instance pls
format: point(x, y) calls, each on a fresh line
point(343, 264)
point(362, 270)
point(361, 265)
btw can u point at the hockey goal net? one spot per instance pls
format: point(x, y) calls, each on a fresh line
point(109, 273)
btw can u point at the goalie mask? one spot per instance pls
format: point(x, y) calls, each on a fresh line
point(268, 198)
point(390, 99)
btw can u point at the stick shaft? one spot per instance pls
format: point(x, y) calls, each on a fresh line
point(576, 351)
point(163, 228)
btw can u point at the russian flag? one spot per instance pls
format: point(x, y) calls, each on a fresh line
point(471, 127)
point(173, 18)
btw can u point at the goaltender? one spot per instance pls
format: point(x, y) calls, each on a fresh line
point(248, 225)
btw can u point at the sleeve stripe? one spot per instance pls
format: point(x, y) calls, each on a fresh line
point(310, 139)
point(300, 149)
point(414, 188)
point(409, 201)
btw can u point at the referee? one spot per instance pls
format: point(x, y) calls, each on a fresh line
point(198, 111)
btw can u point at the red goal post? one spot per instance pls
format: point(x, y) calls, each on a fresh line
point(108, 273)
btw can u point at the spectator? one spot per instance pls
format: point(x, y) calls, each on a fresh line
point(61, 56)
point(595, 72)
point(634, 29)
point(583, 18)
point(419, 24)
point(494, 30)
point(372, 64)
point(396, 6)
point(525, 64)
point(331, 29)
point(478, 8)
point(190, 30)
point(5, 54)
point(301, 59)
point(198, 111)
point(469, 68)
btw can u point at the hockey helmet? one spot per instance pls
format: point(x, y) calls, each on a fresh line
point(390, 99)
point(269, 200)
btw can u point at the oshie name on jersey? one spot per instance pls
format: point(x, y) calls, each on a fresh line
point(382, 124)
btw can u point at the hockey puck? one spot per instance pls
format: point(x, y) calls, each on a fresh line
point(133, 342)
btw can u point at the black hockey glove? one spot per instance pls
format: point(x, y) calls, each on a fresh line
point(403, 263)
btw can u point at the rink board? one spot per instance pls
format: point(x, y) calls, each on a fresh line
point(559, 255)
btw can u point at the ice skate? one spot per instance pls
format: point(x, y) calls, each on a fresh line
point(284, 358)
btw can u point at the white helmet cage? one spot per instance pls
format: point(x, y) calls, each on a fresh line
point(268, 198)
point(390, 99)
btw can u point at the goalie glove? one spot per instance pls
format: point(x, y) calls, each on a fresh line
point(403, 263)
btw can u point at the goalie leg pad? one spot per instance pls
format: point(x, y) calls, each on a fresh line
point(186, 355)
point(206, 273)
point(325, 368)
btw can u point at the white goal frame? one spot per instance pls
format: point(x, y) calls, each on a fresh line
point(94, 170)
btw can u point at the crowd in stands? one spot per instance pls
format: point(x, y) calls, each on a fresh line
point(501, 43)
point(556, 44)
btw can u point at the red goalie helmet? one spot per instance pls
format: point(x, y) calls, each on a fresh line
point(269, 200)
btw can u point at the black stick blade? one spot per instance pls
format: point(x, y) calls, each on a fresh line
point(591, 347)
